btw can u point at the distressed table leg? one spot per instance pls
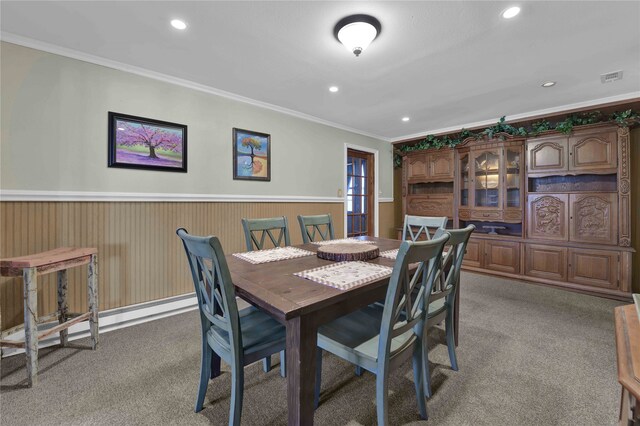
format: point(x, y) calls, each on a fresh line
point(63, 309)
point(31, 323)
point(301, 369)
point(92, 295)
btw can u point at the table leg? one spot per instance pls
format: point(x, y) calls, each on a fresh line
point(30, 279)
point(63, 309)
point(92, 296)
point(301, 367)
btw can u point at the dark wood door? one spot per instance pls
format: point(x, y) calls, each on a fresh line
point(360, 193)
point(547, 216)
point(593, 218)
point(593, 151)
point(547, 155)
point(593, 267)
point(546, 262)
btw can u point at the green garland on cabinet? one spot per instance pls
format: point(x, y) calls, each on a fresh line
point(624, 118)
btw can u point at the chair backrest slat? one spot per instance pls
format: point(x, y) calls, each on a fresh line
point(402, 309)
point(214, 289)
point(257, 230)
point(415, 226)
point(321, 225)
point(448, 275)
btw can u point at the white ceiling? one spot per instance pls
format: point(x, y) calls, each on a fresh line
point(443, 64)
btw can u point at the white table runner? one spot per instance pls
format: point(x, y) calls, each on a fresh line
point(346, 275)
point(273, 255)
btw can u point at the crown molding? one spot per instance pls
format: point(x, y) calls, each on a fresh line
point(28, 195)
point(120, 66)
point(523, 116)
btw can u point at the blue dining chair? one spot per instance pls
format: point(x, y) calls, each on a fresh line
point(415, 226)
point(255, 233)
point(320, 225)
point(441, 300)
point(238, 338)
point(381, 338)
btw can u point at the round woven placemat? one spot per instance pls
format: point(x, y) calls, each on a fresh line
point(348, 252)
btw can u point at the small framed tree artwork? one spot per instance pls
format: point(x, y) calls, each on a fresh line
point(251, 155)
point(144, 143)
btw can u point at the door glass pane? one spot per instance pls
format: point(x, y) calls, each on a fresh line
point(513, 178)
point(487, 174)
point(358, 197)
point(464, 180)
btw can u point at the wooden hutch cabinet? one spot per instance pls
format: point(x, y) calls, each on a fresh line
point(553, 209)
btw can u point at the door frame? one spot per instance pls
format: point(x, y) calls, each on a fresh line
point(376, 216)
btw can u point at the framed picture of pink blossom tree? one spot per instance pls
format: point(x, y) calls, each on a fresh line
point(251, 155)
point(144, 143)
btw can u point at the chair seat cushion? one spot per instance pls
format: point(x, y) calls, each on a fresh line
point(356, 336)
point(259, 332)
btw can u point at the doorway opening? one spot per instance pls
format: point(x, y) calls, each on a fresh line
point(360, 196)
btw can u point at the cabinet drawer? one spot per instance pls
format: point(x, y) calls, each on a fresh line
point(596, 268)
point(502, 256)
point(474, 253)
point(486, 214)
point(430, 205)
point(548, 262)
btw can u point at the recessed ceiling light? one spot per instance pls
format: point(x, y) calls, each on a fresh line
point(548, 84)
point(120, 128)
point(333, 89)
point(510, 12)
point(178, 24)
point(405, 118)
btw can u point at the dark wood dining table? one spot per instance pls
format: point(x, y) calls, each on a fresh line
point(302, 306)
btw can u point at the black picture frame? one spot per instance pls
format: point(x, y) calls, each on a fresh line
point(258, 164)
point(128, 149)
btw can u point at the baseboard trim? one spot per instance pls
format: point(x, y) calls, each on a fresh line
point(115, 319)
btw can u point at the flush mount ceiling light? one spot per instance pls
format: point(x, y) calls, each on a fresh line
point(405, 119)
point(178, 24)
point(356, 32)
point(333, 89)
point(510, 12)
point(548, 84)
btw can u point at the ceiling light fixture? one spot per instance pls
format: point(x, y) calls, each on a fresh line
point(510, 12)
point(356, 32)
point(548, 84)
point(178, 24)
point(333, 89)
point(405, 118)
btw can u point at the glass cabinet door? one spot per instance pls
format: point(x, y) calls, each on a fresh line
point(513, 163)
point(487, 179)
point(464, 180)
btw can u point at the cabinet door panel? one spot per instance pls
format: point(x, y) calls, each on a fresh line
point(547, 216)
point(547, 155)
point(417, 167)
point(594, 218)
point(593, 151)
point(593, 267)
point(474, 253)
point(546, 262)
point(430, 205)
point(441, 166)
point(502, 256)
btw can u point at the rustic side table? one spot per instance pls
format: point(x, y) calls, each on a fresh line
point(57, 260)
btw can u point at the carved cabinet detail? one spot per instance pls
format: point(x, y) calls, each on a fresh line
point(547, 154)
point(417, 167)
point(548, 262)
point(430, 205)
point(593, 151)
point(594, 218)
point(548, 216)
point(593, 267)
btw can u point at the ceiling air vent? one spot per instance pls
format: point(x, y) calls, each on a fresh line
point(611, 76)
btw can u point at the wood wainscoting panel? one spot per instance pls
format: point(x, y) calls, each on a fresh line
point(140, 258)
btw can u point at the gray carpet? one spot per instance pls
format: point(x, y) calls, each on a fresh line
point(528, 355)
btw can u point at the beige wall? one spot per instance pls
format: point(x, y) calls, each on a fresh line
point(54, 134)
